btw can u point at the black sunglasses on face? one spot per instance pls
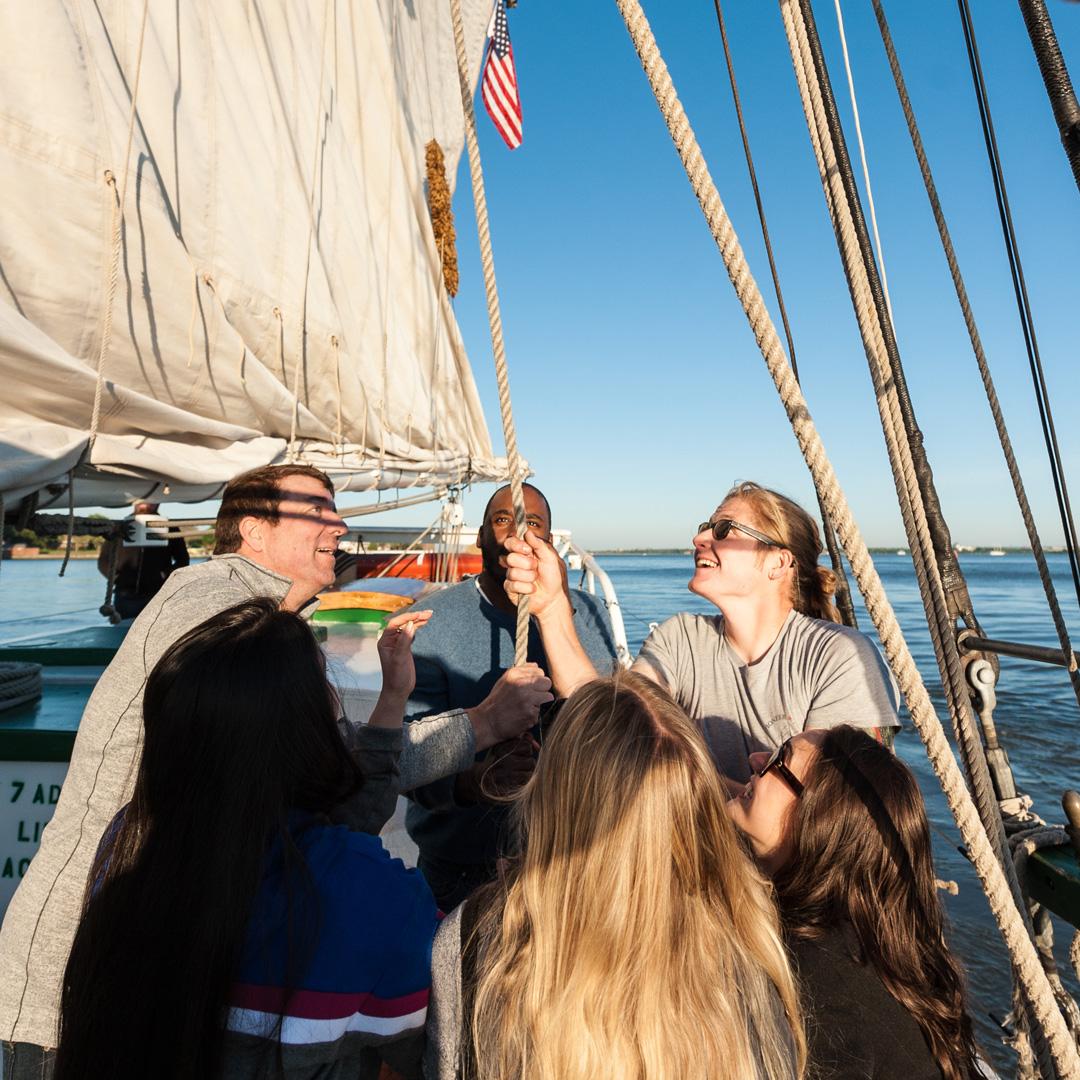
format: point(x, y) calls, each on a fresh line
point(778, 763)
point(722, 526)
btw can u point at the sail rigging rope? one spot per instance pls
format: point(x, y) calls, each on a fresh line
point(980, 356)
point(842, 595)
point(1055, 78)
point(914, 483)
point(922, 711)
point(338, 437)
point(301, 344)
point(863, 160)
point(117, 233)
point(1027, 322)
point(487, 258)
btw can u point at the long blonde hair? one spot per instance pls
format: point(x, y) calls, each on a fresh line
point(812, 585)
point(632, 938)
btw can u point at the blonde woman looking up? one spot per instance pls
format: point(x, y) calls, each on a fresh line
point(771, 662)
point(633, 939)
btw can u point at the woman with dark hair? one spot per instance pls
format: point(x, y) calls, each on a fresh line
point(771, 661)
point(632, 939)
point(839, 824)
point(231, 928)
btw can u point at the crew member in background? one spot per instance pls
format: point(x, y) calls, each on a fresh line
point(463, 651)
point(139, 570)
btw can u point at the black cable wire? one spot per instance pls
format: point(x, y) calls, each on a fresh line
point(843, 590)
point(976, 344)
point(1027, 322)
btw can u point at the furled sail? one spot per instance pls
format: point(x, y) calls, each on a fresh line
point(277, 293)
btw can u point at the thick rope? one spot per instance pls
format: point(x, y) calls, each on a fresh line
point(876, 329)
point(1055, 78)
point(487, 259)
point(922, 711)
point(843, 590)
point(980, 356)
point(116, 243)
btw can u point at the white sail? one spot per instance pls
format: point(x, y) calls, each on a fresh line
point(275, 237)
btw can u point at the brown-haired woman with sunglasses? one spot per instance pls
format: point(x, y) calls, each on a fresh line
point(837, 821)
point(772, 662)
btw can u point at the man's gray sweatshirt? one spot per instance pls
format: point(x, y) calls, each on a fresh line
point(42, 918)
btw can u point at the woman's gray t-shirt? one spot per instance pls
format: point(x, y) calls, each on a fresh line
point(816, 674)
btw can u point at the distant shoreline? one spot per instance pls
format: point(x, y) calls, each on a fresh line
point(613, 551)
point(896, 550)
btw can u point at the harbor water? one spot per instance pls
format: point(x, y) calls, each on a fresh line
point(1037, 717)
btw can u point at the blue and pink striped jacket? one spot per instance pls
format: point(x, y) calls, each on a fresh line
point(361, 939)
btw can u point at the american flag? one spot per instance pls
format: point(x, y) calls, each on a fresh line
point(499, 85)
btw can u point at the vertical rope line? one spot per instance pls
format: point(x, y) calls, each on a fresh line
point(875, 326)
point(858, 265)
point(301, 349)
point(980, 356)
point(876, 329)
point(863, 159)
point(70, 522)
point(487, 258)
point(117, 242)
point(843, 590)
point(337, 389)
point(922, 710)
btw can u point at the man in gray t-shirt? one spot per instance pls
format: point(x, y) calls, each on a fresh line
point(816, 674)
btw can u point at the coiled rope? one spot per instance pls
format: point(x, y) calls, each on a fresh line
point(980, 356)
point(487, 259)
point(922, 711)
point(19, 684)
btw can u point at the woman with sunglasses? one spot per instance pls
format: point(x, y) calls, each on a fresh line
point(837, 821)
point(773, 661)
point(632, 938)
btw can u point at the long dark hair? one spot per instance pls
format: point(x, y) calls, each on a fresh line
point(860, 854)
point(240, 732)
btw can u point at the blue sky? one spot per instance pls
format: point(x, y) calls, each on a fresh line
point(639, 393)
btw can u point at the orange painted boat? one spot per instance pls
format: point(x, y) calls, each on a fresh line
point(420, 565)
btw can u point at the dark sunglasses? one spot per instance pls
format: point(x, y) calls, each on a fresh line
point(778, 763)
point(721, 527)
